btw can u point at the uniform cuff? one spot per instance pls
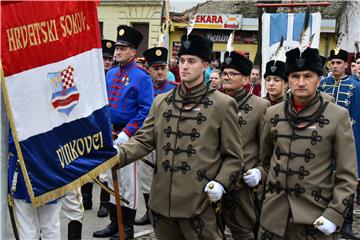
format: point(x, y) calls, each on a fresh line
point(333, 216)
point(125, 130)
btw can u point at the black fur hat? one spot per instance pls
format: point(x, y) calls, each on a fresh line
point(196, 45)
point(309, 59)
point(338, 54)
point(238, 61)
point(323, 60)
point(275, 68)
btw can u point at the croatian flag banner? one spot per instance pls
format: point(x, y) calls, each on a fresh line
point(55, 93)
point(289, 27)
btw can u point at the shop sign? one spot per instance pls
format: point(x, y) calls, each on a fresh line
point(218, 21)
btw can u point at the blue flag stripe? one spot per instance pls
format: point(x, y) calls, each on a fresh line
point(278, 27)
point(299, 24)
point(67, 152)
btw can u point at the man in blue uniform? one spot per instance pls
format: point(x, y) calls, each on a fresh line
point(130, 92)
point(346, 91)
point(108, 48)
point(156, 59)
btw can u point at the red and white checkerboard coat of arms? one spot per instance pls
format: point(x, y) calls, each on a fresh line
point(65, 95)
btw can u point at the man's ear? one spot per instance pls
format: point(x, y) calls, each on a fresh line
point(205, 65)
point(133, 52)
point(318, 80)
point(246, 80)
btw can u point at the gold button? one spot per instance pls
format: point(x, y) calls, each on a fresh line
point(158, 53)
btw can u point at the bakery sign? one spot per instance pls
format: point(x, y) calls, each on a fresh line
point(218, 21)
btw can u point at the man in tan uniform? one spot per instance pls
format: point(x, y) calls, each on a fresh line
point(305, 139)
point(156, 59)
point(195, 132)
point(241, 206)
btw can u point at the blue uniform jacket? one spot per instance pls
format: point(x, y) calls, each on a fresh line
point(130, 93)
point(166, 86)
point(347, 94)
point(355, 77)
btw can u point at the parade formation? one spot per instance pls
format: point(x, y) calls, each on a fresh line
point(260, 155)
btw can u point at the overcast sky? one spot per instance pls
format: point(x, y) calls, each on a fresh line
point(182, 5)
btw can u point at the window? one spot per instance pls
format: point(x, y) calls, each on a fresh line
point(101, 26)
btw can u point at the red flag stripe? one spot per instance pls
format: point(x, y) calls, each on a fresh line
point(43, 36)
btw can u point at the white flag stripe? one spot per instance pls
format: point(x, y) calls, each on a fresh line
point(35, 113)
point(290, 30)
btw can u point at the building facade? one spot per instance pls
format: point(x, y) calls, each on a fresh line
point(217, 19)
point(144, 16)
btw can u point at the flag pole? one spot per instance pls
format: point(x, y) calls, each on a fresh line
point(4, 130)
point(167, 23)
point(118, 203)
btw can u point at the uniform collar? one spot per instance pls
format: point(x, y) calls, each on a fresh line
point(240, 94)
point(341, 79)
point(128, 65)
point(194, 90)
point(276, 101)
point(307, 115)
point(161, 85)
point(304, 109)
point(191, 98)
point(297, 106)
point(241, 97)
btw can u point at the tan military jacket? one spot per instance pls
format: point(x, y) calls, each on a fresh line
point(197, 139)
point(300, 151)
point(327, 97)
point(278, 100)
point(251, 112)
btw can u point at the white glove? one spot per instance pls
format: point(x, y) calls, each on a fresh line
point(325, 225)
point(117, 166)
point(214, 190)
point(122, 138)
point(252, 177)
point(116, 147)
